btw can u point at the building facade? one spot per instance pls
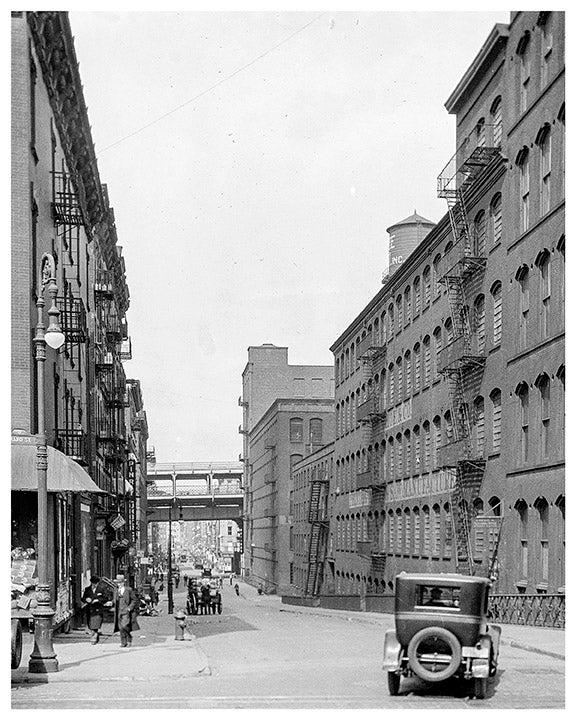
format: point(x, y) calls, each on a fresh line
point(267, 377)
point(60, 210)
point(291, 429)
point(450, 383)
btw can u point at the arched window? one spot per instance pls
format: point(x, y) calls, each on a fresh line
point(546, 48)
point(427, 361)
point(417, 370)
point(496, 219)
point(523, 163)
point(544, 142)
point(436, 282)
point(542, 508)
point(426, 281)
point(399, 455)
point(427, 445)
point(416, 295)
point(408, 372)
point(523, 51)
point(407, 453)
point(437, 335)
point(407, 532)
point(399, 313)
point(391, 395)
point(522, 393)
point(448, 330)
point(543, 263)
point(479, 234)
point(543, 385)
point(316, 431)
point(399, 531)
point(407, 305)
point(522, 276)
point(480, 323)
point(481, 133)
point(496, 118)
point(479, 539)
point(426, 528)
point(447, 530)
point(390, 467)
point(399, 378)
point(479, 426)
point(561, 151)
point(437, 441)
point(417, 450)
point(522, 510)
point(436, 530)
point(296, 430)
point(416, 548)
point(448, 427)
point(391, 321)
point(496, 400)
point(496, 292)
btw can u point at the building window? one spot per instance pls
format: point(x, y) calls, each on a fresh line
point(523, 163)
point(390, 321)
point(524, 304)
point(407, 532)
point(447, 530)
point(416, 367)
point(479, 234)
point(543, 262)
point(523, 398)
point(436, 280)
point(427, 360)
point(399, 313)
point(479, 426)
point(525, 70)
point(426, 280)
point(496, 219)
point(399, 379)
point(544, 142)
point(437, 432)
point(437, 335)
point(522, 510)
point(543, 385)
point(407, 453)
point(416, 531)
point(496, 117)
point(436, 528)
point(408, 373)
point(542, 507)
point(296, 430)
point(399, 455)
point(480, 323)
point(546, 48)
point(416, 295)
point(481, 133)
point(496, 400)
point(316, 431)
point(561, 145)
point(496, 292)
point(407, 305)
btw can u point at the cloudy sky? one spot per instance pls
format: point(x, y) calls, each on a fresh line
point(254, 161)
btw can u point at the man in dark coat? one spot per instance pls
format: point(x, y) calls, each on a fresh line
point(94, 599)
point(125, 605)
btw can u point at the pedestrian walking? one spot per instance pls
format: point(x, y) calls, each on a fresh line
point(125, 604)
point(93, 598)
point(237, 589)
point(231, 579)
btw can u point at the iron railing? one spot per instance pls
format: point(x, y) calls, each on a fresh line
point(537, 610)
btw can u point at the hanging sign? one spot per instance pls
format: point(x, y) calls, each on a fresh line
point(118, 522)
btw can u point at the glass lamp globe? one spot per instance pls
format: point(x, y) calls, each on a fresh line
point(54, 338)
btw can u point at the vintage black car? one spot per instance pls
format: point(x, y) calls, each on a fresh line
point(441, 631)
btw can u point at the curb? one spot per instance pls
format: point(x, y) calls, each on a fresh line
point(531, 648)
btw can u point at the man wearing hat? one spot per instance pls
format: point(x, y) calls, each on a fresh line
point(125, 604)
point(94, 603)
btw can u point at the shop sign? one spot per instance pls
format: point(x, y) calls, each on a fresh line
point(433, 483)
point(118, 522)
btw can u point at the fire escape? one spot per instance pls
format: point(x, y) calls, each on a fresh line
point(70, 436)
point(318, 519)
point(464, 357)
point(371, 414)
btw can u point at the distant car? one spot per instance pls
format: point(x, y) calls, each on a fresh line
point(441, 631)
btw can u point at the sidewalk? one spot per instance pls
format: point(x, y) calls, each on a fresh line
point(540, 640)
point(153, 646)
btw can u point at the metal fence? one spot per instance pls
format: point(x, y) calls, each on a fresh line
point(537, 610)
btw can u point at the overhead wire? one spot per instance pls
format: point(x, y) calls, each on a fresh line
point(213, 87)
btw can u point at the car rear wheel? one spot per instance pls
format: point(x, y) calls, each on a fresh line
point(16, 643)
point(434, 654)
point(393, 683)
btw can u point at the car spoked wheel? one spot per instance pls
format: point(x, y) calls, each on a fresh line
point(434, 654)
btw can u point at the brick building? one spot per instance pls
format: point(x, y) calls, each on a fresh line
point(61, 208)
point(450, 383)
point(266, 379)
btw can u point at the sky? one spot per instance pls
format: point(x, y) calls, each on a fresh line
point(254, 161)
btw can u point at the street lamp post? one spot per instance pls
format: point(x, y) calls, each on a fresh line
point(170, 589)
point(43, 658)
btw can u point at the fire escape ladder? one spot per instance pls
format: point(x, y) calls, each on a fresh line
point(317, 538)
point(461, 527)
point(458, 218)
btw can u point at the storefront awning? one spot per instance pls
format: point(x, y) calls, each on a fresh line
point(64, 474)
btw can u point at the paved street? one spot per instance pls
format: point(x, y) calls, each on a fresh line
point(262, 654)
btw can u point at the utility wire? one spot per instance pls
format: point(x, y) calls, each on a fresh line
point(212, 87)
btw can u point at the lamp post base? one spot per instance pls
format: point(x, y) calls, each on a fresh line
point(43, 658)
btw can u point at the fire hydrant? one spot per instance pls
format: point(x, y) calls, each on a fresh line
point(180, 624)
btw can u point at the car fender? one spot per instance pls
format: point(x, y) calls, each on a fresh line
point(392, 651)
point(483, 653)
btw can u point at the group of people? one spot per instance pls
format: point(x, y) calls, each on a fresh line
point(124, 602)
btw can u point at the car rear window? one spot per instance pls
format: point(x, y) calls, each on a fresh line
point(438, 596)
